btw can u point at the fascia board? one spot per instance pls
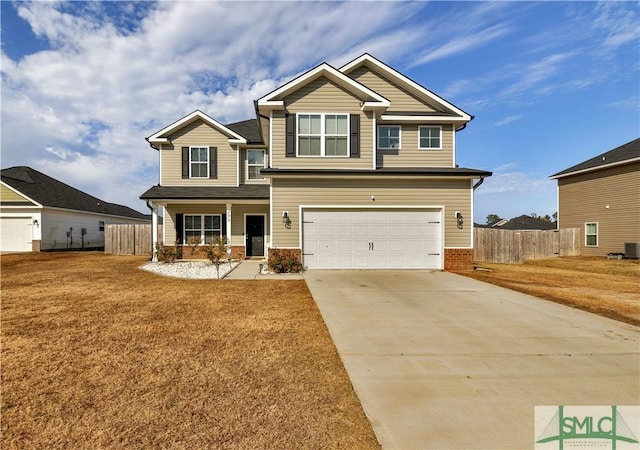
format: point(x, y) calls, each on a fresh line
point(422, 119)
point(159, 136)
point(593, 169)
point(323, 69)
point(404, 81)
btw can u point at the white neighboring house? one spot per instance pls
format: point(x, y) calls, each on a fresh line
point(40, 213)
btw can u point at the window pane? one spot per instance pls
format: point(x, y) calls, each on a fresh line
point(330, 146)
point(189, 235)
point(303, 146)
point(303, 127)
point(394, 132)
point(209, 236)
point(331, 124)
point(314, 146)
point(341, 146)
point(592, 240)
point(255, 157)
point(315, 124)
point(591, 228)
point(254, 172)
point(216, 222)
point(342, 124)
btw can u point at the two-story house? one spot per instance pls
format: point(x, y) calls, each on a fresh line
point(352, 168)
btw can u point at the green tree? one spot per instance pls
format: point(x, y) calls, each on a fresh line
point(493, 218)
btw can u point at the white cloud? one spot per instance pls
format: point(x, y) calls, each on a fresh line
point(507, 120)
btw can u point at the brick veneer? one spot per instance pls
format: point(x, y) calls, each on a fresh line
point(35, 246)
point(458, 258)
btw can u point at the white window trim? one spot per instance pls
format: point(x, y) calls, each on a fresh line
point(323, 134)
point(430, 148)
point(199, 162)
point(202, 229)
point(247, 165)
point(597, 234)
point(399, 137)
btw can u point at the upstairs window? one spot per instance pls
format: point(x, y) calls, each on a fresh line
point(255, 162)
point(591, 234)
point(430, 138)
point(323, 135)
point(389, 137)
point(199, 162)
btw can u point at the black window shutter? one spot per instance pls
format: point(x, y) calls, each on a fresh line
point(213, 162)
point(290, 144)
point(185, 162)
point(223, 226)
point(354, 142)
point(179, 228)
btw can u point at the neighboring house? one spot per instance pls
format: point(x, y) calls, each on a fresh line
point(346, 168)
point(522, 223)
point(38, 213)
point(601, 196)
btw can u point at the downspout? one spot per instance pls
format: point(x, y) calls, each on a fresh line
point(477, 185)
point(154, 256)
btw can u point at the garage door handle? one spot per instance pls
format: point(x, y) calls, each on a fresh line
point(370, 245)
point(434, 254)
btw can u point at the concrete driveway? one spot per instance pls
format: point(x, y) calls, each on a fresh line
point(443, 361)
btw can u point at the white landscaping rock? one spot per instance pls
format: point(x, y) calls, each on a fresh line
point(189, 269)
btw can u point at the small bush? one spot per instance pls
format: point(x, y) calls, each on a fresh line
point(217, 252)
point(166, 254)
point(285, 260)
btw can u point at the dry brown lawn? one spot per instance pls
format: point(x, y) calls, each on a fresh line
point(99, 354)
point(607, 287)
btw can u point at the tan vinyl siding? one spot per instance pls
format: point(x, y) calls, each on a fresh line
point(323, 96)
point(455, 195)
point(409, 154)
point(237, 218)
point(584, 198)
point(198, 133)
point(400, 98)
point(7, 195)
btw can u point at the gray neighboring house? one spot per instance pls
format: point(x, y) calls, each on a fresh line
point(601, 196)
point(522, 223)
point(38, 213)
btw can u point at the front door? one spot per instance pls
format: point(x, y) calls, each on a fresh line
point(255, 235)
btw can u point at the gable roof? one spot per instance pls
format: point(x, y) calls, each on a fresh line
point(624, 154)
point(50, 192)
point(160, 137)
point(372, 100)
point(406, 82)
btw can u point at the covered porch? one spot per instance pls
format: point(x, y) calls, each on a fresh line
point(194, 217)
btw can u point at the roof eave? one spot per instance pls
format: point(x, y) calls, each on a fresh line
point(593, 169)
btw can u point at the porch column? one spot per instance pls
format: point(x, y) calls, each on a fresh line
point(228, 230)
point(154, 232)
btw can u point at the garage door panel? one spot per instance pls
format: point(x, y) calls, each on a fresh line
point(16, 234)
point(373, 238)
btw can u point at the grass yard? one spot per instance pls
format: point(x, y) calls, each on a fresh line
point(610, 288)
point(99, 354)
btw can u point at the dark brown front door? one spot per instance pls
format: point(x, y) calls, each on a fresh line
point(255, 235)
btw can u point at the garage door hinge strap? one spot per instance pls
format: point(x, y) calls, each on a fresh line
point(434, 254)
point(435, 222)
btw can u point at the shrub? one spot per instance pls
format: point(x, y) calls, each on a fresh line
point(285, 260)
point(217, 252)
point(166, 254)
point(193, 244)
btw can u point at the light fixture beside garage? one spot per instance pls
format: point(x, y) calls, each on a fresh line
point(285, 219)
point(459, 219)
point(35, 222)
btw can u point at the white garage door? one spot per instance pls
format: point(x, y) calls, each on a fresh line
point(15, 234)
point(372, 239)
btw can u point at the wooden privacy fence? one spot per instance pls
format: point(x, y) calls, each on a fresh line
point(514, 246)
point(128, 239)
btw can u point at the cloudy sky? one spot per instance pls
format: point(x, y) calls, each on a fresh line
point(83, 83)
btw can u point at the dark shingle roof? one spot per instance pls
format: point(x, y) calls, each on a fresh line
point(248, 129)
point(246, 191)
point(50, 192)
point(628, 151)
point(527, 223)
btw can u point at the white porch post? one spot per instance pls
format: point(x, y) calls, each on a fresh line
point(228, 230)
point(154, 231)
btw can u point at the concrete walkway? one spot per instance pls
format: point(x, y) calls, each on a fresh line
point(447, 362)
point(249, 269)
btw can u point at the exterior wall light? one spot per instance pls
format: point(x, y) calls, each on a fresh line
point(35, 222)
point(459, 219)
point(285, 219)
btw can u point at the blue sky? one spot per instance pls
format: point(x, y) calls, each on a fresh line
point(550, 84)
